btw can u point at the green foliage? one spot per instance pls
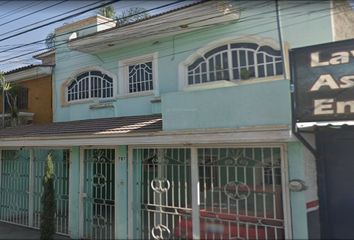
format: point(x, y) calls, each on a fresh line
point(132, 15)
point(48, 201)
point(107, 11)
point(50, 40)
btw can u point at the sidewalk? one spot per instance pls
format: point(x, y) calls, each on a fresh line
point(10, 231)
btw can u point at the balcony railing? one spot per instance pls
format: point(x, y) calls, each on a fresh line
point(23, 118)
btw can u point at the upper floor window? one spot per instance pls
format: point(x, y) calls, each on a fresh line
point(90, 84)
point(138, 75)
point(19, 96)
point(235, 61)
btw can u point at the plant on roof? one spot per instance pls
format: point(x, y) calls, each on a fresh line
point(132, 15)
point(107, 11)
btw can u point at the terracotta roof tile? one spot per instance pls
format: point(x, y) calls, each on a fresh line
point(102, 126)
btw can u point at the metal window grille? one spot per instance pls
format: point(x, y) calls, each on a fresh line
point(239, 61)
point(140, 77)
point(93, 84)
point(21, 93)
point(240, 192)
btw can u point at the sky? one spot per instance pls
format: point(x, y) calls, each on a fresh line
point(13, 16)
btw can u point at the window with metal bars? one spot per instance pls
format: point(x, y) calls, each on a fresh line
point(91, 84)
point(140, 77)
point(236, 61)
point(21, 94)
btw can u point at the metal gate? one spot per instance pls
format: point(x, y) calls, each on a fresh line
point(21, 187)
point(61, 186)
point(240, 193)
point(14, 197)
point(98, 193)
point(166, 191)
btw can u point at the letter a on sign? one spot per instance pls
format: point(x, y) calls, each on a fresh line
point(324, 80)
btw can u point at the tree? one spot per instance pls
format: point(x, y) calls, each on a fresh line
point(50, 40)
point(107, 11)
point(9, 93)
point(48, 201)
point(132, 15)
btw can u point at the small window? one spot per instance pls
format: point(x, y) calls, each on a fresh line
point(138, 75)
point(20, 95)
point(92, 84)
point(236, 61)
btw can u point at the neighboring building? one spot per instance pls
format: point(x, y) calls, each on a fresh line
point(179, 125)
point(33, 86)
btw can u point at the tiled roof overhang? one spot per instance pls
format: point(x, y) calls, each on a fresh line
point(102, 126)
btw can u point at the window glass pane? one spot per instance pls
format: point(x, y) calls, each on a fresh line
point(204, 77)
point(190, 79)
point(236, 74)
point(215, 50)
point(279, 68)
point(197, 78)
point(270, 70)
point(242, 58)
point(140, 77)
point(250, 56)
point(260, 58)
point(234, 59)
point(261, 71)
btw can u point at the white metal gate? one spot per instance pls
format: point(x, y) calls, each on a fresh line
point(14, 197)
point(98, 193)
point(166, 192)
point(21, 187)
point(239, 193)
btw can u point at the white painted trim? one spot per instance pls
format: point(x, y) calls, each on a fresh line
point(195, 193)
point(30, 188)
point(249, 135)
point(130, 193)
point(123, 91)
point(117, 208)
point(183, 66)
point(72, 77)
point(286, 193)
point(81, 203)
point(332, 21)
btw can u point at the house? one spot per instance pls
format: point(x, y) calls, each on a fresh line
point(178, 125)
point(32, 86)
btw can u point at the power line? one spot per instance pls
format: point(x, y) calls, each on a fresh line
point(250, 34)
point(56, 21)
point(29, 14)
point(88, 27)
point(190, 49)
point(20, 9)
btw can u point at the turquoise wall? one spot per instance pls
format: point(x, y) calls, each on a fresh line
point(229, 107)
point(302, 25)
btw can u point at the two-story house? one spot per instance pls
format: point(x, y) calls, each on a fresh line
point(32, 87)
point(175, 126)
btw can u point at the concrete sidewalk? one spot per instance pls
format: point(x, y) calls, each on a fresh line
point(10, 231)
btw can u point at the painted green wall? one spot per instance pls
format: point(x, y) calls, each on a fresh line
point(229, 107)
point(302, 25)
point(297, 199)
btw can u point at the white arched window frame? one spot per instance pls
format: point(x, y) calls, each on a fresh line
point(233, 60)
point(88, 84)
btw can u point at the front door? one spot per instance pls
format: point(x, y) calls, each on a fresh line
point(336, 176)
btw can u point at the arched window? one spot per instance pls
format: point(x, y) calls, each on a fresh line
point(235, 61)
point(90, 84)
